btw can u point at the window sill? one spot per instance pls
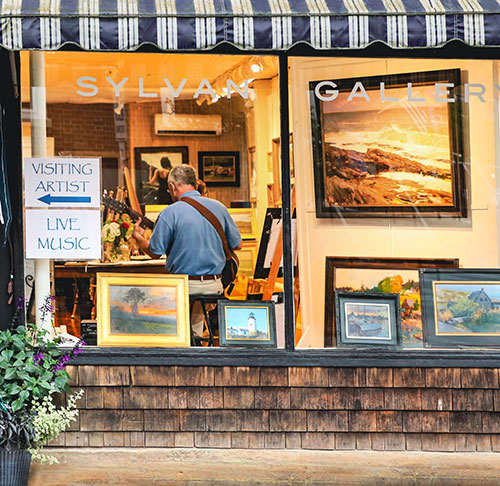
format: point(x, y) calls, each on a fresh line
point(427, 358)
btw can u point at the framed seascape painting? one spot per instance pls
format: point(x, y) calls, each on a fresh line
point(367, 319)
point(247, 323)
point(381, 275)
point(147, 160)
point(136, 309)
point(219, 168)
point(389, 146)
point(461, 308)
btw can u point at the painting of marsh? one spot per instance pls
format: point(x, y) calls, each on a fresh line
point(467, 308)
point(143, 310)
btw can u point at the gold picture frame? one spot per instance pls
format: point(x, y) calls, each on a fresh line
point(246, 222)
point(135, 309)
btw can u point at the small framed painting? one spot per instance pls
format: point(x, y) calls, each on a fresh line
point(461, 307)
point(247, 323)
point(219, 168)
point(367, 319)
point(136, 309)
point(244, 218)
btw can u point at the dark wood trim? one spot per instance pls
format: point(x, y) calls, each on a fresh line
point(336, 358)
point(286, 203)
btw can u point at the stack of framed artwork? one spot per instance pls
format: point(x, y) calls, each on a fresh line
point(436, 303)
point(392, 146)
point(380, 275)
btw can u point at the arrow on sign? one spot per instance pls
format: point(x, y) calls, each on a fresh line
point(49, 199)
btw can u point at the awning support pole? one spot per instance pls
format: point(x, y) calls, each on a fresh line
point(39, 149)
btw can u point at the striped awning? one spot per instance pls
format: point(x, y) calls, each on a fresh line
point(125, 25)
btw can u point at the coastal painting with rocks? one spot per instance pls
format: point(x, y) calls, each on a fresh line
point(387, 153)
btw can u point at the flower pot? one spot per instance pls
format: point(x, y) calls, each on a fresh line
point(14, 467)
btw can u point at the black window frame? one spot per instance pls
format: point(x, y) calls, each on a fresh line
point(290, 356)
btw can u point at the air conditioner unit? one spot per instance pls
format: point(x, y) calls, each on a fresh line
point(184, 124)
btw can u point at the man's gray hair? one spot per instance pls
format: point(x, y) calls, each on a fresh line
point(182, 174)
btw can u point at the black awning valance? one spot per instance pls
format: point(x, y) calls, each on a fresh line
point(124, 25)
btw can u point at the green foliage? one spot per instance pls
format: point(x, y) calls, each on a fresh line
point(484, 321)
point(49, 421)
point(16, 429)
point(29, 366)
point(463, 307)
point(32, 370)
point(391, 285)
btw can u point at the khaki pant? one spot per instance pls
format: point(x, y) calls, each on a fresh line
point(202, 287)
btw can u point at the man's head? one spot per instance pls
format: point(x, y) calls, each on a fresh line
point(181, 179)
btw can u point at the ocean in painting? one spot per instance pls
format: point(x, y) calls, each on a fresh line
point(143, 310)
point(468, 308)
point(367, 320)
point(393, 155)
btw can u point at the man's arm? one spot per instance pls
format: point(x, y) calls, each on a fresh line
point(238, 247)
point(143, 243)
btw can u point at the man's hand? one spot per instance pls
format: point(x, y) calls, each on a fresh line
point(138, 233)
point(143, 243)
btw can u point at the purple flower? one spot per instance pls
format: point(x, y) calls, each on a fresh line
point(37, 358)
point(20, 303)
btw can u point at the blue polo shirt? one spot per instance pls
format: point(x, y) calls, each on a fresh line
point(196, 246)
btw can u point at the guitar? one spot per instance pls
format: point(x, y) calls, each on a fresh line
point(119, 207)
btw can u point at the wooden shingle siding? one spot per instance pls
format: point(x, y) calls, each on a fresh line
point(445, 409)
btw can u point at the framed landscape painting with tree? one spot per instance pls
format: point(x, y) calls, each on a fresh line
point(136, 309)
point(389, 146)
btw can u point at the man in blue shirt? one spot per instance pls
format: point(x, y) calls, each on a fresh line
point(189, 240)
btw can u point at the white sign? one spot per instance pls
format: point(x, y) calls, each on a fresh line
point(62, 182)
point(63, 234)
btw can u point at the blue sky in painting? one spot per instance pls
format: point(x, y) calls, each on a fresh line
point(238, 317)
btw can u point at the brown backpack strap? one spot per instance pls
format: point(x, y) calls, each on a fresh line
point(213, 220)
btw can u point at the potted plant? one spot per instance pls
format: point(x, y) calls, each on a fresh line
point(32, 375)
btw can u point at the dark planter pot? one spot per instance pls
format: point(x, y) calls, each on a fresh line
point(14, 467)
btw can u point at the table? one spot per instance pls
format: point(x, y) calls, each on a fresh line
point(84, 274)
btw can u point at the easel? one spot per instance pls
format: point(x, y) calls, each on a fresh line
point(275, 265)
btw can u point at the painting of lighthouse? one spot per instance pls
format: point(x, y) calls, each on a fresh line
point(246, 323)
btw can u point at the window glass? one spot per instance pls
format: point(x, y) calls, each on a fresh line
point(140, 116)
point(396, 180)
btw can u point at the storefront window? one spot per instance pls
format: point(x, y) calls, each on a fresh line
point(140, 116)
point(396, 180)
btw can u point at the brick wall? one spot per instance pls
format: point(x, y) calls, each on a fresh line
point(87, 129)
point(430, 409)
